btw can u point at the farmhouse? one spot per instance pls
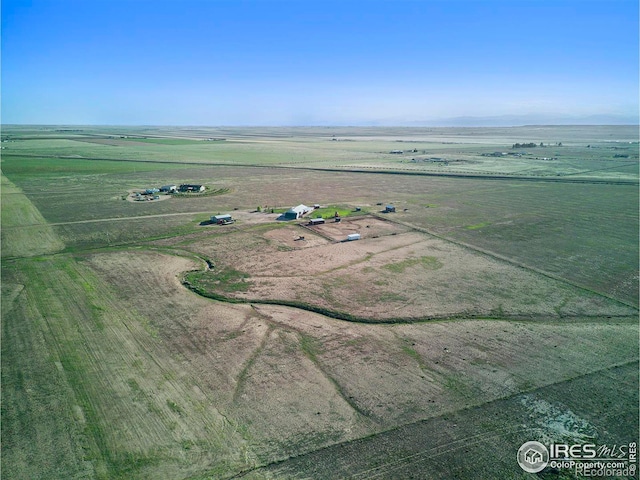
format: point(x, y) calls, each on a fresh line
point(222, 219)
point(297, 212)
point(168, 188)
point(191, 188)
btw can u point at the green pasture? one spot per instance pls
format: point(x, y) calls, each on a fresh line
point(24, 232)
point(163, 141)
point(56, 167)
point(330, 211)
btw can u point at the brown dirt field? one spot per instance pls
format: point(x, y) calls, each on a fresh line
point(406, 275)
point(292, 381)
point(289, 237)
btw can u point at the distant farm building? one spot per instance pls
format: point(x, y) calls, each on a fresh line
point(316, 221)
point(168, 188)
point(353, 236)
point(191, 188)
point(389, 209)
point(397, 152)
point(222, 219)
point(297, 212)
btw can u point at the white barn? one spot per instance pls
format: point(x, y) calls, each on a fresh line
point(297, 212)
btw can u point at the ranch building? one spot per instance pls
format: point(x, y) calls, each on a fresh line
point(168, 188)
point(297, 212)
point(222, 219)
point(316, 221)
point(191, 188)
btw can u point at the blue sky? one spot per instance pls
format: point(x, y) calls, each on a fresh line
point(306, 62)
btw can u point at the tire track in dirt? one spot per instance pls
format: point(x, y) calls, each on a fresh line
point(242, 376)
point(338, 388)
point(308, 352)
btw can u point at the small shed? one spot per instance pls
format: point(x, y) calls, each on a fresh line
point(316, 221)
point(353, 236)
point(389, 208)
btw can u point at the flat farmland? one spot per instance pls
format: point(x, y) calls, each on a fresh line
point(584, 153)
point(497, 305)
point(388, 274)
point(499, 216)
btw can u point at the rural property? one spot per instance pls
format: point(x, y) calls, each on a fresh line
point(315, 302)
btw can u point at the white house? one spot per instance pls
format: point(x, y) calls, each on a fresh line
point(297, 212)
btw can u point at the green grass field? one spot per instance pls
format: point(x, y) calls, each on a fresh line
point(112, 369)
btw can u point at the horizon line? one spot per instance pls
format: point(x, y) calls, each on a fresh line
point(318, 125)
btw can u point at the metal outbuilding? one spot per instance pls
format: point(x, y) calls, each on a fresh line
point(297, 212)
point(222, 219)
point(187, 187)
